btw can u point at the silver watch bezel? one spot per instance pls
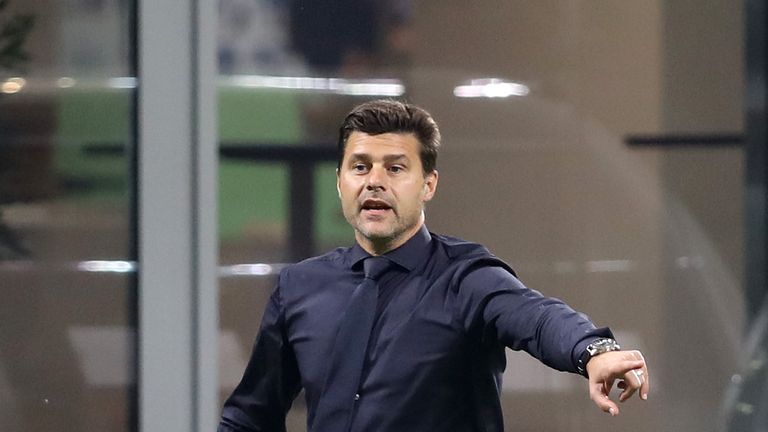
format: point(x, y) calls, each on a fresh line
point(601, 346)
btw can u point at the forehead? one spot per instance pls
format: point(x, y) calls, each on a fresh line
point(383, 144)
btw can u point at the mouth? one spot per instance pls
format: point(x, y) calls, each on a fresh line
point(375, 207)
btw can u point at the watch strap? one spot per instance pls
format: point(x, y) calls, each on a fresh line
point(596, 347)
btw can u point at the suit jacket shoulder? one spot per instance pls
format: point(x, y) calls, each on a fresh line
point(468, 256)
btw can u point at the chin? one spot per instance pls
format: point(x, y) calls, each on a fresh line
point(377, 233)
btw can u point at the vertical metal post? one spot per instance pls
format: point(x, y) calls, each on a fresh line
point(177, 216)
point(301, 231)
point(748, 390)
point(756, 99)
point(206, 186)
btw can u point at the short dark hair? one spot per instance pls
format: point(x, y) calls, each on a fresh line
point(390, 116)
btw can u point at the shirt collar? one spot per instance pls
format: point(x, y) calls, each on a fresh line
point(408, 255)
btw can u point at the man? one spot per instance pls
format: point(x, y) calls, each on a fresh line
point(426, 352)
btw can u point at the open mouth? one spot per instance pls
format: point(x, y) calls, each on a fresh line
point(375, 207)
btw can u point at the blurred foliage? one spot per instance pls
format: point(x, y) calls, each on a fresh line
point(13, 33)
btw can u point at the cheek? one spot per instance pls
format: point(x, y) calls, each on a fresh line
point(346, 188)
point(346, 197)
point(412, 196)
point(348, 193)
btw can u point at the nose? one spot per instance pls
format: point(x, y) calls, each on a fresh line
point(377, 178)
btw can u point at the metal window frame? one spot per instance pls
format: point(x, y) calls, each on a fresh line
point(177, 216)
point(756, 155)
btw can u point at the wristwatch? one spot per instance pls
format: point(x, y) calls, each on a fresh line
point(597, 347)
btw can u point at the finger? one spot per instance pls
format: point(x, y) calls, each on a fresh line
point(598, 394)
point(630, 387)
point(620, 368)
point(634, 380)
point(645, 385)
point(608, 386)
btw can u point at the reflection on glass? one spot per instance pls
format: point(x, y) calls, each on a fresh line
point(67, 339)
point(358, 87)
point(748, 392)
point(533, 165)
point(490, 88)
point(339, 37)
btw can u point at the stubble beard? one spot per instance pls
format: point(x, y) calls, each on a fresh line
point(385, 237)
point(378, 235)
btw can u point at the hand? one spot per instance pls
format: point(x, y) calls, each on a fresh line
point(627, 366)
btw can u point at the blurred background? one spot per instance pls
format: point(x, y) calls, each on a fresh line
point(601, 148)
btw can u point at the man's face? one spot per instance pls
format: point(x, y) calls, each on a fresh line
point(383, 188)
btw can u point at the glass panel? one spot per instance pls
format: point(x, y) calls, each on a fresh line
point(67, 226)
point(538, 103)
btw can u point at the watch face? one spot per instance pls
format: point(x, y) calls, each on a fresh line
point(603, 345)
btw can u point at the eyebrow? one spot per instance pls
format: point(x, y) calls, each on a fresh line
point(387, 158)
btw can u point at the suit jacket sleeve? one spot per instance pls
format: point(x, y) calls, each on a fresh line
point(270, 382)
point(496, 304)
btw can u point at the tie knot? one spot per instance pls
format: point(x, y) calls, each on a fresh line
point(375, 266)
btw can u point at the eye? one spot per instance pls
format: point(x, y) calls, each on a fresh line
point(359, 167)
point(396, 168)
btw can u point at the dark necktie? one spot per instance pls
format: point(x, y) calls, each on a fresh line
point(333, 413)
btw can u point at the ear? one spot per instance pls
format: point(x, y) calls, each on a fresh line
point(338, 184)
point(430, 186)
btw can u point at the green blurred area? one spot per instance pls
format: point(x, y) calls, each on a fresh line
point(93, 118)
point(252, 195)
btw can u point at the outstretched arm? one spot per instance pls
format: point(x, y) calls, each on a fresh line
point(628, 367)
